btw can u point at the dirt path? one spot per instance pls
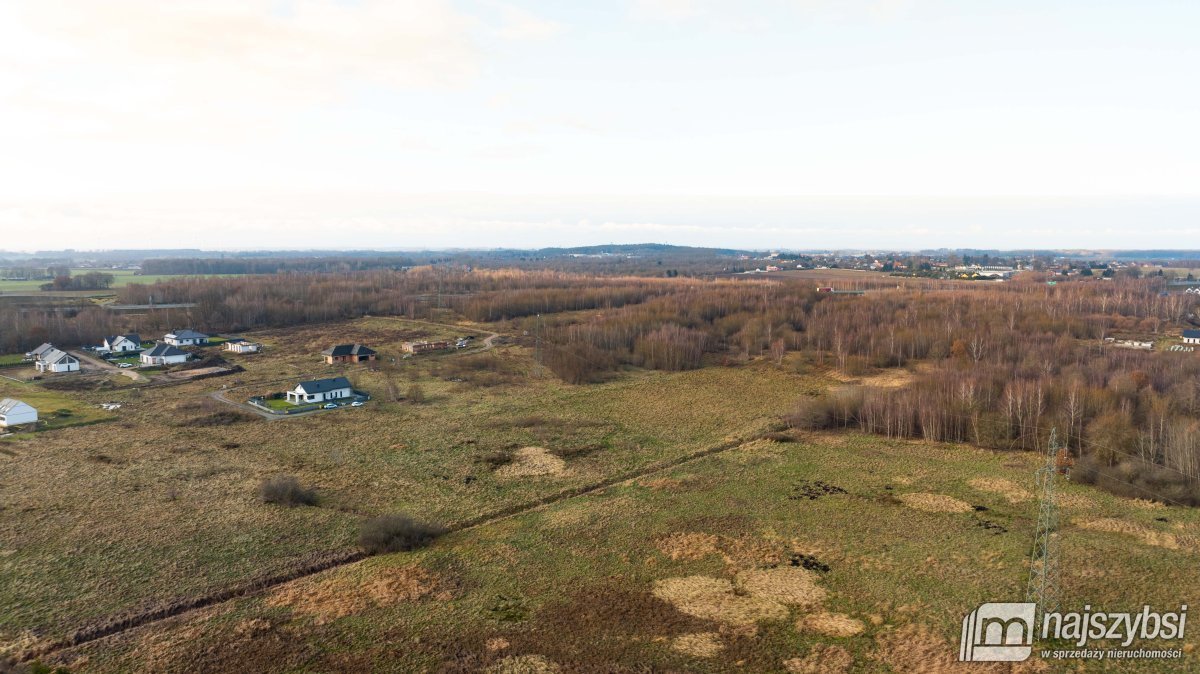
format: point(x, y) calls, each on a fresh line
point(130, 372)
point(323, 561)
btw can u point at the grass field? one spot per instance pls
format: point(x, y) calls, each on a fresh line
point(682, 570)
point(121, 277)
point(723, 564)
point(107, 517)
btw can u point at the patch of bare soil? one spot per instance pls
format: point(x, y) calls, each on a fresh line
point(935, 503)
point(700, 644)
point(891, 378)
point(1011, 491)
point(525, 664)
point(532, 462)
point(830, 624)
point(822, 659)
point(716, 599)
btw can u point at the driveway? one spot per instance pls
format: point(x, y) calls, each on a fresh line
point(99, 363)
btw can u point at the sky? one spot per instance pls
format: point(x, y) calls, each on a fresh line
point(227, 124)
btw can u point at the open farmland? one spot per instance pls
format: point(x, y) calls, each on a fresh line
point(121, 278)
point(162, 502)
point(826, 554)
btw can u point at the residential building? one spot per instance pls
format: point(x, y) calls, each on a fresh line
point(424, 347)
point(164, 354)
point(320, 390)
point(185, 338)
point(54, 360)
point(239, 345)
point(15, 413)
point(1191, 336)
point(348, 353)
point(123, 343)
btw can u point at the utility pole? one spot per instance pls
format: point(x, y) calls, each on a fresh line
point(537, 344)
point(1043, 587)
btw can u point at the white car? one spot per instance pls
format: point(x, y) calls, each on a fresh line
point(331, 406)
point(125, 365)
point(356, 403)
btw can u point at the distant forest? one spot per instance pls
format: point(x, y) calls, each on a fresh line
point(995, 365)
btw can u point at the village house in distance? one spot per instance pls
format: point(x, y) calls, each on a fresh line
point(46, 358)
point(320, 390)
point(425, 347)
point(239, 345)
point(348, 353)
point(123, 343)
point(185, 338)
point(163, 354)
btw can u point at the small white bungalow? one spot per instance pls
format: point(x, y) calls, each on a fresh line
point(242, 346)
point(1191, 336)
point(15, 413)
point(320, 390)
point(163, 354)
point(185, 338)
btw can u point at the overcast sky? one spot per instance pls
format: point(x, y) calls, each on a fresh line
point(754, 123)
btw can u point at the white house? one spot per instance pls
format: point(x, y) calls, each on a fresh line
point(1191, 336)
point(15, 412)
point(242, 346)
point(163, 354)
point(320, 390)
point(185, 338)
point(123, 343)
point(33, 355)
point(53, 360)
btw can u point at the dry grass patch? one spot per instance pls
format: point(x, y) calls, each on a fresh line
point(822, 659)
point(1143, 533)
point(716, 599)
point(532, 462)
point(525, 664)
point(700, 644)
point(1146, 504)
point(1077, 501)
point(689, 546)
point(830, 624)
point(785, 584)
point(917, 648)
point(328, 599)
point(1010, 490)
point(935, 503)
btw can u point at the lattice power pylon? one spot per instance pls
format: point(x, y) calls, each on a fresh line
point(1043, 588)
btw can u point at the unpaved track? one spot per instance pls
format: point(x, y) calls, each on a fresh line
point(130, 372)
point(325, 561)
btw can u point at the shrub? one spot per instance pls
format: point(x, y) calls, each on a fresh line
point(396, 533)
point(416, 394)
point(286, 490)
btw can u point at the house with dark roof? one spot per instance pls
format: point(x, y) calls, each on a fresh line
point(123, 343)
point(185, 338)
point(1191, 336)
point(54, 360)
point(348, 353)
point(164, 354)
point(320, 390)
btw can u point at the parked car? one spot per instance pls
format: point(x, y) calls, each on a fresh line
point(125, 365)
point(330, 406)
point(356, 403)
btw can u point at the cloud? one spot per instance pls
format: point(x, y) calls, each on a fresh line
point(521, 24)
